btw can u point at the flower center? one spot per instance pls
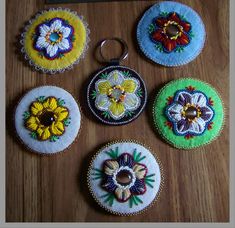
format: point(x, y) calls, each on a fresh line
point(124, 177)
point(54, 37)
point(47, 118)
point(191, 112)
point(117, 93)
point(172, 30)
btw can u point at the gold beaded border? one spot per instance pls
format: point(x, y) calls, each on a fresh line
point(163, 135)
point(161, 173)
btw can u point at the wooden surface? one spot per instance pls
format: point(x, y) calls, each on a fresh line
point(53, 188)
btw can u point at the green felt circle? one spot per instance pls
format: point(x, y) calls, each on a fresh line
point(160, 118)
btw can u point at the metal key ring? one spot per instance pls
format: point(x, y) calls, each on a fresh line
point(124, 53)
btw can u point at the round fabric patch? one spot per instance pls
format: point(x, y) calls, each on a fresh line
point(55, 40)
point(188, 113)
point(117, 95)
point(125, 177)
point(171, 34)
point(47, 119)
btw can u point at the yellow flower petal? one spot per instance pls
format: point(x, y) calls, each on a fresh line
point(50, 103)
point(44, 134)
point(62, 113)
point(57, 128)
point(110, 167)
point(103, 87)
point(36, 108)
point(117, 109)
point(122, 194)
point(140, 171)
point(129, 86)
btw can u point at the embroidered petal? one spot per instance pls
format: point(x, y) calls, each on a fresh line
point(199, 99)
point(64, 44)
point(158, 36)
point(183, 98)
point(138, 188)
point(43, 29)
point(186, 26)
point(160, 22)
point(140, 170)
point(130, 85)
point(182, 126)
point(169, 45)
point(174, 112)
point(50, 103)
point(108, 184)
point(183, 39)
point(36, 108)
point(103, 86)
point(122, 194)
point(131, 102)
point(56, 25)
point(57, 128)
point(207, 113)
point(102, 102)
point(198, 126)
point(32, 123)
point(65, 31)
point(52, 50)
point(43, 134)
point(117, 109)
point(61, 112)
point(174, 17)
point(110, 166)
point(41, 42)
point(126, 160)
point(115, 78)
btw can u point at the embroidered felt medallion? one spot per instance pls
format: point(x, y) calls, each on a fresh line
point(116, 95)
point(55, 40)
point(188, 113)
point(171, 34)
point(125, 177)
point(47, 119)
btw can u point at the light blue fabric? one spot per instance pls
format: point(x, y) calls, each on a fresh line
point(191, 51)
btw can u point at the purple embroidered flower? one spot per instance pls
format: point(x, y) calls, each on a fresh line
point(54, 38)
point(124, 177)
point(190, 112)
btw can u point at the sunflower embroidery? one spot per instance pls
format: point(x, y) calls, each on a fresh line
point(117, 94)
point(47, 118)
point(171, 32)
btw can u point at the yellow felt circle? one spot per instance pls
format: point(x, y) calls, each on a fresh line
point(80, 34)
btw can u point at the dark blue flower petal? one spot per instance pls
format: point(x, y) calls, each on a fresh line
point(108, 184)
point(139, 187)
point(126, 160)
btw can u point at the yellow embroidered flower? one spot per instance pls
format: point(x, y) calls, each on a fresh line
point(117, 94)
point(47, 118)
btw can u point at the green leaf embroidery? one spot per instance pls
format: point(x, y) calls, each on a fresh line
point(67, 121)
point(134, 200)
point(126, 73)
point(129, 113)
point(113, 153)
point(164, 14)
point(94, 94)
point(139, 93)
point(179, 49)
point(106, 114)
point(61, 55)
point(33, 134)
point(191, 34)
point(151, 28)
point(109, 198)
point(66, 22)
point(137, 156)
point(159, 47)
point(41, 99)
point(104, 76)
point(41, 54)
point(60, 102)
point(149, 179)
point(34, 36)
point(183, 18)
point(73, 38)
point(98, 174)
point(26, 115)
point(54, 138)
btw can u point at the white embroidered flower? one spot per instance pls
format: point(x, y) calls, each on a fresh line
point(54, 39)
point(117, 94)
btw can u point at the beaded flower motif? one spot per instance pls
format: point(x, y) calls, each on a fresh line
point(171, 32)
point(190, 112)
point(54, 38)
point(47, 118)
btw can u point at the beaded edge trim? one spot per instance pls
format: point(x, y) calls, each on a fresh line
point(148, 55)
point(48, 154)
point(45, 70)
point(164, 136)
point(123, 122)
point(160, 187)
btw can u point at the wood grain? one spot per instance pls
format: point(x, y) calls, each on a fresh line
point(53, 189)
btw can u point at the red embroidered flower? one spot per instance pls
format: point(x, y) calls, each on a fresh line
point(171, 31)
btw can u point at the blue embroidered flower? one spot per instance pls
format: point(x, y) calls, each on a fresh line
point(124, 177)
point(190, 113)
point(54, 38)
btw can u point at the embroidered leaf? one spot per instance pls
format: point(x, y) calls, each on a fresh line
point(129, 113)
point(26, 115)
point(61, 55)
point(104, 76)
point(73, 38)
point(183, 18)
point(33, 134)
point(109, 199)
point(148, 176)
point(113, 153)
point(67, 121)
point(41, 99)
point(151, 28)
point(138, 199)
point(131, 202)
point(34, 36)
point(41, 54)
point(137, 156)
point(139, 93)
point(164, 14)
point(106, 114)
point(47, 20)
point(149, 179)
point(54, 138)
point(191, 34)
point(94, 94)
point(60, 102)
point(126, 73)
point(66, 22)
point(147, 183)
point(134, 200)
point(159, 47)
point(179, 49)
point(98, 174)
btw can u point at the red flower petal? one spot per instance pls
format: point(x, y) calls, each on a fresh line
point(161, 21)
point(186, 26)
point(169, 44)
point(183, 39)
point(174, 17)
point(158, 36)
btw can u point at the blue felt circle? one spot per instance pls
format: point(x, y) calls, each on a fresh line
point(191, 51)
